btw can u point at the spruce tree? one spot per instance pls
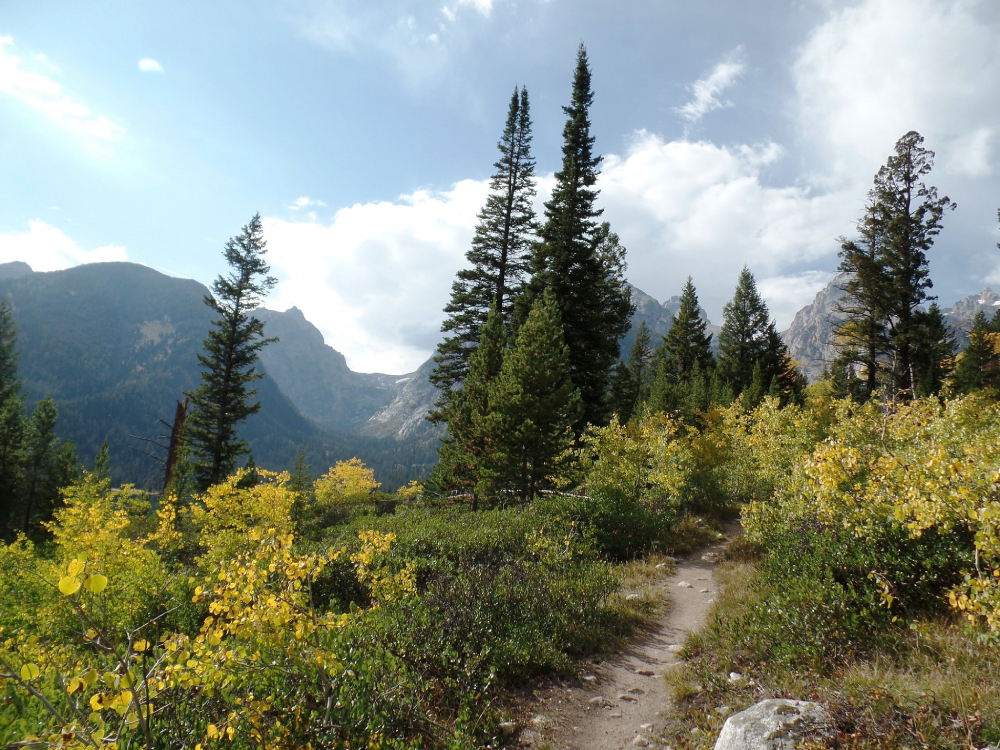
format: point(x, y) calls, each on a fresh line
point(102, 463)
point(532, 407)
point(933, 351)
point(979, 363)
point(749, 339)
point(498, 258)
point(686, 344)
point(909, 212)
point(621, 392)
point(582, 262)
point(862, 339)
point(224, 398)
point(40, 464)
point(11, 420)
point(471, 438)
point(639, 363)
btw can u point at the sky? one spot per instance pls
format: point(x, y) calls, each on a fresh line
point(733, 133)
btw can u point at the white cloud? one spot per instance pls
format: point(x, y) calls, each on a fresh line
point(786, 295)
point(696, 208)
point(45, 96)
point(374, 280)
point(305, 202)
point(148, 65)
point(46, 248)
point(879, 68)
point(708, 90)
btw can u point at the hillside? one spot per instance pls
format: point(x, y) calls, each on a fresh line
point(116, 344)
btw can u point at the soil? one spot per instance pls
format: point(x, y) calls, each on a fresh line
point(622, 701)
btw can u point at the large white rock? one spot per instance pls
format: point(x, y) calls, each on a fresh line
point(774, 724)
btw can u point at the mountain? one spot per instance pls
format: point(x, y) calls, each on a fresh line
point(406, 415)
point(14, 270)
point(116, 344)
point(961, 314)
point(316, 377)
point(809, 338)
point(658, 318)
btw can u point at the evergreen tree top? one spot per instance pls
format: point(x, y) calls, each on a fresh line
point(572, 201)
point(687, 345)
point(247, 281)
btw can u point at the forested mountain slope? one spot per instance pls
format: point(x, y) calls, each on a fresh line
point(116, 344)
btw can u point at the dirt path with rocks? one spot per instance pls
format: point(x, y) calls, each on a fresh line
point(623, 700)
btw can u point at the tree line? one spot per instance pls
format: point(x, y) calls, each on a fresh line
point(531, 359)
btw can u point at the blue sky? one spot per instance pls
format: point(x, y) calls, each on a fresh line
point(364, 132)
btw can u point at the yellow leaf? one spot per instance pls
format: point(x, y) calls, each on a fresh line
point(230, 732)
point(95, 583)
point(140, 645)
point(97, 701)
point(76, 685)
point(213, 731)
point(75, 567)
point(29, 672)
point(69, 585)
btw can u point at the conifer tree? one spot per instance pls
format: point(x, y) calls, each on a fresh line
point(621, 392)
point(471, 438)
point(749, 339)
point(102, 463)
point(639, 363)
point(582, 262)
point(862, 339)
point(40, 462)
point(224, 398)
point(11, 419)
point(532, 407)
point(933, 351)
point(498, 258)
point(912, 213)
point(686, 344)
point(978, 366)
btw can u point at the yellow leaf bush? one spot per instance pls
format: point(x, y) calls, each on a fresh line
point(346, 480)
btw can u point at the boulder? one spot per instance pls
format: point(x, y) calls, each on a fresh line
point(774, 724)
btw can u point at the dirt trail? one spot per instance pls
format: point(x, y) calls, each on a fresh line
point(624, 699)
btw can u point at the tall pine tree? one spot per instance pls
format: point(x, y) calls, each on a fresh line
point(749, 339)
point(686, 344)
point(862, 339)
point(910, 213)
point(470, 440)
point(224, 398)
point(11, 418)
point(532, 407)
point(979, 365)
point(582, 262)
point(498, 258)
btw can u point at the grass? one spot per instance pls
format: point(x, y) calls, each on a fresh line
point(935, 685)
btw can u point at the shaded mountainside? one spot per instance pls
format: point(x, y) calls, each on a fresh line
point(810, 336)
point(116, 344)
point(316, 377)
